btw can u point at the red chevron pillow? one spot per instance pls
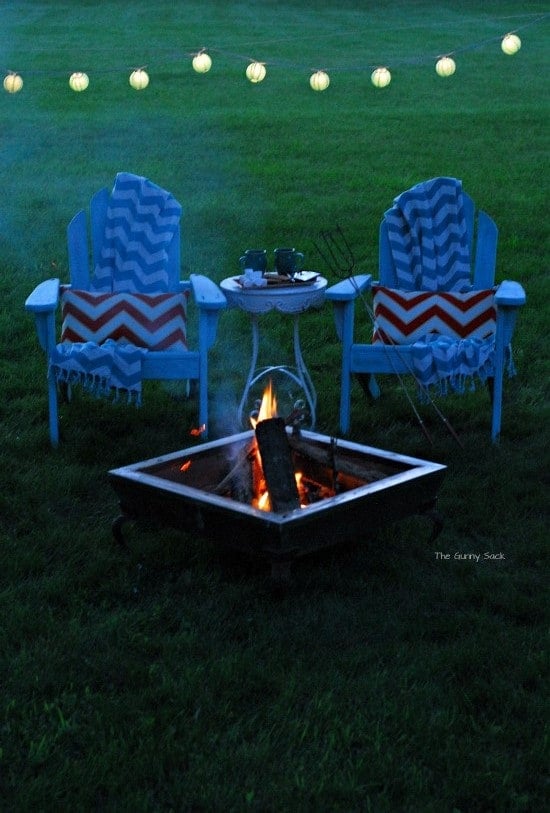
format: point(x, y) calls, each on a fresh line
point(402, 317)
point(155, 322)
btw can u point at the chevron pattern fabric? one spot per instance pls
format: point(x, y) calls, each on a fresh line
point(107, 369)
point(428, 237)
point(451, 364)
point(142, 220)
point(152, 322)
point(403, 317)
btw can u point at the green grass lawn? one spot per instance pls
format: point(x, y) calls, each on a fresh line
point(387, 678)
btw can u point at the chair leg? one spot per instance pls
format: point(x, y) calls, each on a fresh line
point(369, 385)
point(64, 390)
point(203, 393)
point(497, 387)
point(497, 403)
point(374, 389)
point(53, 410)
point(345, 402)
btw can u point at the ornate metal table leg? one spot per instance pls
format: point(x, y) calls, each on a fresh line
point(299, 374)
point(250, 379)
point(303, 374)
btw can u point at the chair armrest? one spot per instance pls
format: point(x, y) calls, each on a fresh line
point(349, 289)
point(209, 300)
point(206, 293)
point(510, 294)
point(44, 298)
point(42, 303)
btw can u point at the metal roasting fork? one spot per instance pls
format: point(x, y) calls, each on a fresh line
point(337, 254)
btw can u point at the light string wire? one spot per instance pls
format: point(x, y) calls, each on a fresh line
point(189, 53)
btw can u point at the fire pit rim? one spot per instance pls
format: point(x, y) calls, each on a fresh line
point(135, 473)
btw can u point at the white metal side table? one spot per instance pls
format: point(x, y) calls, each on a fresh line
point(293, 299)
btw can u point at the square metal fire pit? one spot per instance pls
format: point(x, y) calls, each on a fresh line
point(368, 487)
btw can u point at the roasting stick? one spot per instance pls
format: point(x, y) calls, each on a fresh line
point(348, 273)
point(335, 256)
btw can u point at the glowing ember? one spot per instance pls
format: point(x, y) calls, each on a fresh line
point(198, 431)
point(264, 503)
point(185, 466)
point(301, 488)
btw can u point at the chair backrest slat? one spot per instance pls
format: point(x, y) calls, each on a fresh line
point(98, 216)
point(78, 250)
point(485, 252)
point(482, 241)
point(81, 265)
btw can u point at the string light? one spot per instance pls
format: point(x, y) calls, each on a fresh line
point(256, 72)
point(139, 79)
point(380, 77)
point(13, 82)
point(202, 62)
point(511, 44)
point(78, 81)
point(445, 66)
point(319, 80)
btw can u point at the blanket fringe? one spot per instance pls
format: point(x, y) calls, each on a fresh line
point(96, 385)
point(460, 383)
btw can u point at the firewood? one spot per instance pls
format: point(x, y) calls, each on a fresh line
point(234, 473)
point(277, 464)
point(331, 459)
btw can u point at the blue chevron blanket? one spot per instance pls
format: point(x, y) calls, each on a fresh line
point(142, 220)
point(108, 369)
point(452, 365)
point(429, 244)
point(428, 239)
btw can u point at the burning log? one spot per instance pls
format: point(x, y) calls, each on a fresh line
point(242, 484)
point(277, 463)
point(331, 460)
point(239, 474)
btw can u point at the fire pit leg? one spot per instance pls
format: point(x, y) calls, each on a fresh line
point(281, 572)
point(116, 528)
point(437, 522)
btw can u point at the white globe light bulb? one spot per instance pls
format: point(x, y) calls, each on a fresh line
point(202, 63)
point(256, 72)
point(319, 80)
point(510, 44)
point(78, 81)
point(380, 77)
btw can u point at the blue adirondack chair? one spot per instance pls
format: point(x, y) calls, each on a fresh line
point(366, 361)
point(164, 364)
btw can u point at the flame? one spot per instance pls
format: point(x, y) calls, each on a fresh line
point(302, 491)
point(198, 431)
point(268, 406)
point(263, 502)
point(268, 409)
point(185, 466)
